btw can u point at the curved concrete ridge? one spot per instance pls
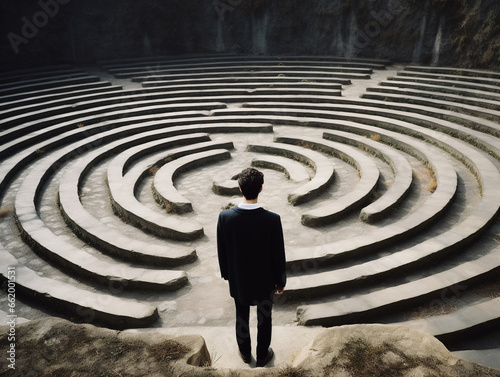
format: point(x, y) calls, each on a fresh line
point(462, 126)
point(36, 97)
point(247, 79)
point(64, 254)
point(270, 73)
point(163, 86)
point(454, 83)
point(16, 76)
point(362, 308)
point(39, 103)
point(163, 187)
point(29, 148)
point(445, 76)
point(140, 69)
point(53, 77)
point(109, 240)
point(112, 129)
point(249, 93)
point(239, 69)
point(233, 57)
point(48, 84)
point(323, 254)
point(227, 188)
point(321, 283)
point(125, 204)
point(462, 108)
point(324, 170)
point(421, 219)
point(368, 172)
point(454, 71)
point(293, 170)
point(366, 112)
point(403, 174)
point(92, 307)
point(459, 324)
point(449, 97)
point(126, 101)
point(441, 89)
point(25, 97)
point(32, 131)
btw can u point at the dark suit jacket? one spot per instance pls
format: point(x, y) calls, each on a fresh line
point(251, 253)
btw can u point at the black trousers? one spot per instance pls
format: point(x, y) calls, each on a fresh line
point(264, 327)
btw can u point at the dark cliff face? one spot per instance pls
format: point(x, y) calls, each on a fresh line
point(430, 32)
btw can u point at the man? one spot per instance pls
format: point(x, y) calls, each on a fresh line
point(252, 258)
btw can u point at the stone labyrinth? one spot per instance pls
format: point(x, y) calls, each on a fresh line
point(386, 178)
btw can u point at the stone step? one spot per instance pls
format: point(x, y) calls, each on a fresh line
point(416, 221)
point(403, 174)
point(239, 69)
point(21, 156)
point(364, 308)
point(150, 67)
point(455, 98)
point(40, 104)
point(453, 83)
point(39, 70)
point(126, 205)
point(454, 71)
point(242, 95)
point(287, 341)
point(264, 73)
point(106, 239)
point(369, 174)
point(461, 324)
point(164, 87)
point(31, 133)
point(294, 171)
point(223, 59)
point(164, 191)
point(124, 100)
point(466, 92)
point(41, 80)
point(122, 186)
point(47, 84)
point(64, 254)
point(16, 77)
point(36, 101)
point(489, 114)
point(324, 170)
point(334, 81)
point(376, 112)
point(444, 76)
point(237, 91)
point(58, 90)
point(80, 304)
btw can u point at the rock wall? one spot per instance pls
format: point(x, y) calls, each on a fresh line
point(429, 32)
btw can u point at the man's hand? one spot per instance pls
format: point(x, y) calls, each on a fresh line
point(280, 290)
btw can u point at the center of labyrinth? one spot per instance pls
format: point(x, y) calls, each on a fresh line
point(386, 180)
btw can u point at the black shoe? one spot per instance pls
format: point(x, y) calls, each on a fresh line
point(267, 359)
point(247, 359)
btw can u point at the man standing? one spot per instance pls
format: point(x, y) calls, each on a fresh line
point(252, 258)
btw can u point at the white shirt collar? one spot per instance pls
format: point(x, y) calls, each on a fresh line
point(248, 206)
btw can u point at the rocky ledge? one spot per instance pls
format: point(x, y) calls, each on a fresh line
point(56, 347)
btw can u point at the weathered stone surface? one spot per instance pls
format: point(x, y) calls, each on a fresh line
point(361, 350)
point(57, 347)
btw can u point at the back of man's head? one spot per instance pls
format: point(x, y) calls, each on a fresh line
point(250, 181)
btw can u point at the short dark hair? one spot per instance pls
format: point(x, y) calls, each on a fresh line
point(250, 181)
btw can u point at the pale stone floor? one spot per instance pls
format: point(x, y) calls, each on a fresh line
point(204, 306)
